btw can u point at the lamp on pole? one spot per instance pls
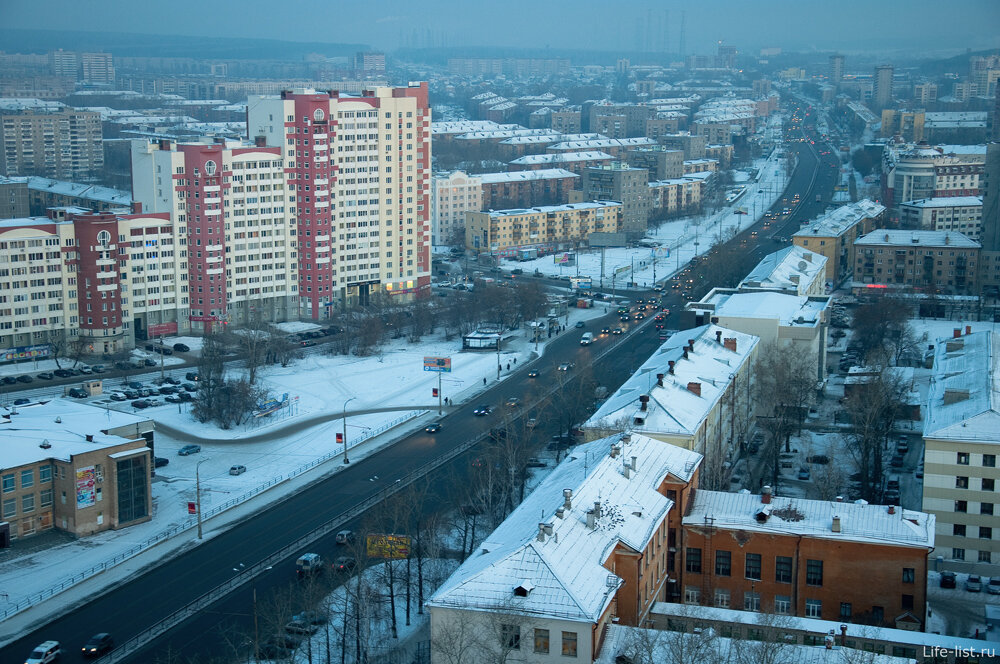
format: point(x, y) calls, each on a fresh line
point(346, 460)
point(197, 493)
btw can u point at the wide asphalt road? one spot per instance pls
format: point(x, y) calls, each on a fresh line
point(135, 604)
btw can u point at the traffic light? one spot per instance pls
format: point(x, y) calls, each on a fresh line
point(340, 439)
point(434, 391)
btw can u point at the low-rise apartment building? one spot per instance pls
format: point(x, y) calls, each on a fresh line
point(674, 196)
point(793, 270)
point(962, 214)
point(834, 233)
point(586, 549)
point(547, 186)
point(616, 147)
point(574, 162)
point(931, 261)
point(960, 451)
point(852, 562)
point(503, 231)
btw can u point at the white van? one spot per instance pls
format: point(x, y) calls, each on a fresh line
point(587, 339)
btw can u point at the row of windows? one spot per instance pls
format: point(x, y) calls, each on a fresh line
point(27, 503)
point(753, 567)
point(510, 636)
point(27, 478)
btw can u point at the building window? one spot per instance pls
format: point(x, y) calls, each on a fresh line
point(958, 529)
point(782, 604)
point(845, 610)
point(988, 484)
point(961, 482)
point(723, 563)
point(45, 497)
point(27, 478)
point(44, 474)
point(958, 554)
point(986, 508)
point(8, 483)
point(908, 575)
point(751, 601)
point(985, 557)
point(963, 459)
point(814, 608)
point(542, 641)
point(722, 598)
point(783, 569)
point(990, 460)
point(27, 503)
point(961, 506)
point(907, 602)
point(9, 508)
point(692, 595)
point(510, 636)
point(814, 572)
point(985, 532)
point(692, 562)
point(133, 489)
point(878, 615)
point(569, 644)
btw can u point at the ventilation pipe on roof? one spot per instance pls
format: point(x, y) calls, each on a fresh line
point(547, 528)
point(597, 509)
point(892, 509)
point(718, 336)
point(670, 367)
point(627, 471)
point(691, 345)
point(591, 520)
point(643, 400)
point(836, 524)
point(968, 329)
point(568, 499)
point(765, 495)
point(561, 512)
point(615, 450)
point(634, 466)
point(89, 437)
point(659, 379)
point(626, 438)
point(730, 344)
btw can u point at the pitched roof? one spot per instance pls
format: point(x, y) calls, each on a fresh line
point(777, 270)
point(963, 401)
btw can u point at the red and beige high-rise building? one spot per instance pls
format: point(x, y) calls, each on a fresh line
point(358, 168)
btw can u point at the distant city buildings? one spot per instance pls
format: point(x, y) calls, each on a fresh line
point(59, 143)
point(93, 68)
point(452, 195)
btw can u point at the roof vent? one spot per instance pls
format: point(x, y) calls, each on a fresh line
point(567, 499)
point(561, 512)
point(523, 589)
point(58, 420)
point(89, 437)
point(597, 509)
point(45, 444)
point(836, 524)
point(541, 532)
point(765, 495)
point(763, 514)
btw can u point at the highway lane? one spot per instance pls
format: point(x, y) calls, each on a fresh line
point(136, 603)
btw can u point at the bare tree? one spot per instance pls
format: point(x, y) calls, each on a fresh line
point(253, 338)
point(880, 321)
point(784, 384)
point(873, 408)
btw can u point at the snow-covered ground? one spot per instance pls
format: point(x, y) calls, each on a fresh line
point(684, 238)
point(282, 462)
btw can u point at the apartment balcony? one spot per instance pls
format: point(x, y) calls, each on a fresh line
point(213, 187)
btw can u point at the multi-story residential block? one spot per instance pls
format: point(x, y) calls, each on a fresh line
point(44, 193)
point(547, 186)
point(792, 270)
point(662, 164)
point(694, 392)
point(984, 72)
point(794, 322)
point(629, 186)
point(932, 261)
point(566, 122)
point(616, 147)
point(852, 562)
point(692, 145)
point(228, 207)
point(957, 127)
point(914, 172)
point(962, 214)
point(95, 68)
point(360, 168)
point(723, 154)
point(909, 125)
point(989, 274)
point(62, 143)
point(675, 196)
point(612, 125)
point(700, 166)
point(836, 69)
point(925, 93)
point(600, 553)
point(370, 62)
point(503, 232)
point(882, 91)
point(74, 468)
point(633, 115)
point(573, 162)
point(665, 123)
point(452, 195)
point(833, 235)
point(13, 197)
point(960, 451)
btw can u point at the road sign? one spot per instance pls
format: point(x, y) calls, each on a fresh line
point(437, 364)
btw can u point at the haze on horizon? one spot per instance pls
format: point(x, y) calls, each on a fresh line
point(804, 25)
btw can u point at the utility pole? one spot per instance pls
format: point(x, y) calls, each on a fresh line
point(162, 348)
point(346, 460)
point(197, 492)
point(439, 392)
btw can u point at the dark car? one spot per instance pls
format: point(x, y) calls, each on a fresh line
point(168, 389)
point(433, 427)
point(22, 401)
point(185, 396)
point(9, 380)
point(191, 375)
point(533, 374)
point(182, 348)
point(605, 330)
point(278, 647)
point(160, 462)
point(190, 387)
point(482, 410)
point(25, 378)
point(78, 393)
point(948, 580)
point(131, 394)
point(344, 564)
point(172, 398)
point(98, 645)
point(580, 323)
point(134, 385)
point(140, 404)
point(149, 362)
point(46, 375)
point(63, 373)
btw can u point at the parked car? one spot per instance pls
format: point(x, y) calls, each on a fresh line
point(170, 380)
point(84, 369)
point(191, 375)
point(433, 427)
point(62, 373)
point(46, 375)
point(78, 393)
point(131, 394)
point(141, 404)
point(993, 585)
point(98, 368)
point(580, 323)
point(98, 645)
point(237, 470)
point(185, 396)
point(311, 617)
point(22, 401)
point(344, 564)
point(173, 398)
point(190, 387)
point(25, 378)
point(300, 627)
point(188, 450)
point(182, 348)
point(44, 653)
point(9, 380)
point(483, 409)
point(947, 580)
point(974, 584)
point(118, 396)
point(160, 462)
point(803, 473)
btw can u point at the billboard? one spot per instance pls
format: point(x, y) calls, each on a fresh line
point(661, 252)
point(271, 405)
point(581, 283)
point(86, 492)
point(393, 547)
point(25, 352)
point(442, 364)
point(602, 239)
point(564, 258)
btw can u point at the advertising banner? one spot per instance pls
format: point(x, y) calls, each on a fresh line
point(86, 491)
point(393, 547)
point(25, 352)
point(437, 364)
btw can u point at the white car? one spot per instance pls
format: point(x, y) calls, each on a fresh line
point(118, 396)
point(44, 653)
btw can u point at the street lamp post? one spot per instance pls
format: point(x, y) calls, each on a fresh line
point(253, 590)
point(346, 460)
point(197, 493)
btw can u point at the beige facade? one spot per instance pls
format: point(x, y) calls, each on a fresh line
point(59, 144)
point(669, 197)
point(961, 214)
point(554, 224)
point(932, 261)
point(833, 235)
point(453, 194)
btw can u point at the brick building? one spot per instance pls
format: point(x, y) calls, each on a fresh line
point(501, 232)
point(935, 261)
point(62, 143)
point(547, 186)
point(834, 233)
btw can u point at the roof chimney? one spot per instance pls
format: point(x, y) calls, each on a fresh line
point(547, 528)
point(765, 495)
point(615, 450)
point(836, 524)
point(694, 388)
point(691, 345)
point(643, 400)
point(597, 509)
point(968, 329)
point(659, 379)
point(634, 464)
point(627, 471)
point(561, 512)
point(670, 367)
point(90, 437)
point(541, 532)
point(828, 641)
point(956, 333)
point(892, 509)
point(718, 336)
point(730, 343)
point(685, 353)
point(568, 499)
point(591, 520)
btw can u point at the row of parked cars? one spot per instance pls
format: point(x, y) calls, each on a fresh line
point(974, 583)
point(81, 370)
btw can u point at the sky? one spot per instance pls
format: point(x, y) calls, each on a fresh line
point(601, 24)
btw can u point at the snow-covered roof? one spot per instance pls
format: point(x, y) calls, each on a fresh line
point(588, 205)
point(565, 572)
point(522, 176)
point(600, 143)
point(78, 190)
point(946, 201)
point(561, 157)
point(21, 434)
point(690, 178)
point(963, 401)
point(837, 222)
point(894, 237)
point(466, 126)
point(789, 310)
point(786, 269)
point(495, 134)
point(674, 408)
point(30, 221)
point(30, 103)
point(859, 521)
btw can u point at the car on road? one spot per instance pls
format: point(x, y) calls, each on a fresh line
point(803, 473)
point(624, 318)
point(993, 585)
point(84, 369)
point(531, 422)
point(46, 375)
point(948, 580)
point(639, 315)
point(188, 450)
point(63, 373)
point(98, 645)
point(565, 366)
point(149, 362)
point(512, 402)
point(237, 470)
point(9, 380)
point(580, 323)
point(344, 537)
point(25, 378)
point(160, 462)
point(482, 409)
point(98, 368)
point(433, 427)
point(344, 564)
point(44, 653)
point(618, 330)
point(182, 348)
point(974, 584)
point(533, 373)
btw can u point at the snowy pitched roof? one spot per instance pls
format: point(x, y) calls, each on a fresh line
point(78, 190)
point(894, 237)
point(522, 176)
point(586, 205)
point(789, 310)
point(562, 157)
point(859, 522)
point(786, 269)
point(963, 401)
point(599, 143)
point(565, 572)
point(946, 201)
point(837, 222)
point(674, 408)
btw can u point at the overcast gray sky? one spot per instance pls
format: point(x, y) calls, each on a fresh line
point(612, 24)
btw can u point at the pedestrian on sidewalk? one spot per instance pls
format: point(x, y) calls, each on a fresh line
point(508, 366)
point(484, 380)
point(515, 361)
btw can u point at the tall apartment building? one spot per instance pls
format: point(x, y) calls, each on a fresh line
point(836, 69)
point(360, 169)
point(96, 68)
point(984, 72)
point(59, 144)
point(989, 274)
point(630, 186)
point(925, 93)
point(960, 451)
point(882, 91)
point(228, 207)
point(369, 62)
point(452, 195)
point(13, 198)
